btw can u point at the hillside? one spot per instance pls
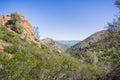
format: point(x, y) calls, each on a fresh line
point(24, 58)
point(69, 42)
point(88, 41)
point(103, 49)
point(55, 45)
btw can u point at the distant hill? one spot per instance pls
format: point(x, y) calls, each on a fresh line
point(88, 41)
point(69, 42)
point(54, 44)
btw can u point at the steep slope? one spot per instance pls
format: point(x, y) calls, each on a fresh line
point(88, 41)
point(55, 45)
point(69, 42)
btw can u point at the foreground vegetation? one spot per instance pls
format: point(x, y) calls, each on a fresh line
point(23, 59)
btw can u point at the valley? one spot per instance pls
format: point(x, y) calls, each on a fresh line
point(24, 56)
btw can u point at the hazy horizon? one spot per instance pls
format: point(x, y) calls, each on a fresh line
point(64, 19)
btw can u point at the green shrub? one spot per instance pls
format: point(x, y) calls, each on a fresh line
point(7, 36)
point(2, 28)
point(15, 17)
point(17, 27)
point(11, 49)
point(91, 58)
point(15, 23)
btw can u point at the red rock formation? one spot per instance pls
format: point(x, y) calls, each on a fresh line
point(4, 19)
point(28, 30)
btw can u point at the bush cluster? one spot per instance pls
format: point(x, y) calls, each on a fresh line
point(15, 23)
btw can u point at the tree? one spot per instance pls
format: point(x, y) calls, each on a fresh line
point(36, 32)
point(15, 18)
point(114, 29)
point(115, 25)
point(117, 3)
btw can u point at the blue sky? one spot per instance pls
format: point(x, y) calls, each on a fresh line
point(64, 19)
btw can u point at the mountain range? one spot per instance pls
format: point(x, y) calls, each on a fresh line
point(68, 42)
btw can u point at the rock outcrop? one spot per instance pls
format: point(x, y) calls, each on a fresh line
point(28, 30)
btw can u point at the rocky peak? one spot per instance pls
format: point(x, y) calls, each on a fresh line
point(28, 30)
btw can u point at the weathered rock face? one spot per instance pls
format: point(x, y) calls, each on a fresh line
point(28, 30)
point(4, 19)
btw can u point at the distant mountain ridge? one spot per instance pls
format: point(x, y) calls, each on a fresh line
point(55, 45)
point(69, 42)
